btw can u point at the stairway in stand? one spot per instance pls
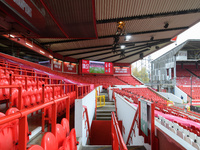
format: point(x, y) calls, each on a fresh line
point(104, 113)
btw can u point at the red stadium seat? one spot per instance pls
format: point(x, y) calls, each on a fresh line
point(49, 142)
point(6, 136)
point(65, 124)
point(73, 142)
point(60, 134)
point(35, 147)
point(67, 143)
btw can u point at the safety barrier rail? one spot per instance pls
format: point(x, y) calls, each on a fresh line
point(10, 87)
point(118, 142)
point(22, 116)
point(37, 79)
point(113, 98)
point(57, 90)
point(17, 70)
point(82, 90)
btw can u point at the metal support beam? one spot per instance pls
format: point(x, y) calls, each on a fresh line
point(132, 48)
point(133, 33)
point(134, 54)
point(106, 49)
point(103, 46)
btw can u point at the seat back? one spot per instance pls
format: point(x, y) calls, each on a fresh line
point(65, 124)
point(6, 136)
point(60, 134)
point(73, 142)
point(66, 144)
point(49, 142)
point(35, 147)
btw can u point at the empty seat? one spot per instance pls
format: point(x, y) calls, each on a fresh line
point(35, 147)
point(196, 145)
point(172, 129)
point(187, 139)
point(180, 134)
point(73, 143)
point(14, 124)
point(6, 136)
point(192, 135)
point(60, 134)
point(49, 142)
point(65, 124)
point(66, 144)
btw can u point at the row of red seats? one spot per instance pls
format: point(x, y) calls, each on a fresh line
point(195, 91)
point(181, 81)
point(146, 94)
point(129, 80)
point(129, 95)
point(106, 81)
point(63, 140)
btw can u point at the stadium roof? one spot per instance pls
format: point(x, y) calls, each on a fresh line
point(86, 29)
point(190, 44)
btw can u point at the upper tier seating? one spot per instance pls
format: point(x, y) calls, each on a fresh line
point(146, 93)
point(97, 80)
point(129, 80)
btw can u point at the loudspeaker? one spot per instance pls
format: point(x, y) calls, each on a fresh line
point(141, 55)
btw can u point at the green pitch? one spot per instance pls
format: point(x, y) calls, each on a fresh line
point(197, 105)
point(97, 70)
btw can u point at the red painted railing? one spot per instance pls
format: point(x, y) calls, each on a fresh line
point(82, 90)
point(95, 108)
point(87, 124)
point(118, 142)
point(22, 116)
point(132, 129)
point(113, 97)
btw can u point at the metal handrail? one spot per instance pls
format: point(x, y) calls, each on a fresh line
point(118, 142)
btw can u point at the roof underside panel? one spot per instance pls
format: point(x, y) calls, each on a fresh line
point(142, 25)
point(107, 9)
point(74, 16)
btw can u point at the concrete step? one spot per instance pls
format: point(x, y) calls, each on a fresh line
point(136, 147)
point(109, 147)
point(105, 110)
point(97, 147)
point(107, 103)
point(104, 118)
point(106, 107)
point(103, 114)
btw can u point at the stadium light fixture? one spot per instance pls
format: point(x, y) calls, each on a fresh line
point(127, 37)
point(122, 46)
point(152, 38)
point(122, 54)
point(50, 56)
point(166, 25)
point(42, 52)
point(29, 44)
point(12, 36)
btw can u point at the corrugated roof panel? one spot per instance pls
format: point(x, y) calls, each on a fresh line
point(149, 24)
point(106, 9)
point(85, 50)
point(79, 44)
point(88, 54)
